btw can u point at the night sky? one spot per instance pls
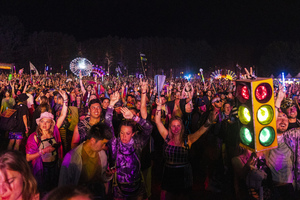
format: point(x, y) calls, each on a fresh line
point(216, 21)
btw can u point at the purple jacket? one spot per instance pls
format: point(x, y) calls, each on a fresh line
point(127, 156)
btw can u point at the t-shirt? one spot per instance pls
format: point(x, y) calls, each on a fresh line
point(293, 125)
point(22, 110)
point(280, 162)
point(91, 168)
point(29, 100)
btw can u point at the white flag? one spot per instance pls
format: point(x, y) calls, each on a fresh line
point(32, 67)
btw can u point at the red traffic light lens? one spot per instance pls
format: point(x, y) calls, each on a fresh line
point(245, 92)
point(263, 92)
point(242, 92)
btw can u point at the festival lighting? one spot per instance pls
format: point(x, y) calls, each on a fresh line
point(82, 65)
point(256, 114)
point(245, 92)
point(244, 114)
point(283, 81)
point(246, 136)
point(188, 77)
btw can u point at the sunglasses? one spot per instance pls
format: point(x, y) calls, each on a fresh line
point(218, 101)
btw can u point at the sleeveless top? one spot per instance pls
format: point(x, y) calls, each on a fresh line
point(48, 157)
point(175, 154)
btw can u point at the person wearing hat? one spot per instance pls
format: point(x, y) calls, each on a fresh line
point(280, 160)
point(16, 135)
point(44, 148)
point(288, 106)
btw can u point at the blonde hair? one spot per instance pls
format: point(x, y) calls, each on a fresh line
point(39, 130)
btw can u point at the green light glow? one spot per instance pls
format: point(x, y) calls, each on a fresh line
point(266, 136)
point(244, 115)
point(245, 136)
point(265, 114)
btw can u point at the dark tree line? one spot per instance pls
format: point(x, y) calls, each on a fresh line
point(57, 50)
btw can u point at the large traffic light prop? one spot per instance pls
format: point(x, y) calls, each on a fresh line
point(256, 111)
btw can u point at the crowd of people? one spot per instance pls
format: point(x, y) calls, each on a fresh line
point(90, 138)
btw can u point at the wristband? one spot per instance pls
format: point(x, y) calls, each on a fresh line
point(110, 106)
point(144, 92)
point(135, 118)
point(158, 110)
point(207, 124)
point(41, 152)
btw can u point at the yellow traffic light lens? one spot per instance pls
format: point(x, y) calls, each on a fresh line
point(244, 115)
point(246, 136)
point(265, 114)
point(267, 136)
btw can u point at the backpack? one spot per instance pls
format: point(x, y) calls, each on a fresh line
point(8, 120)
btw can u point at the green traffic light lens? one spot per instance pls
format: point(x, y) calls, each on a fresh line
point(244, 115)
point(265, 114)
point(246, 136)
point(267, 136)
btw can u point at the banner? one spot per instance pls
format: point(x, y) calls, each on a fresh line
point(143, 57)
point(32, 67)
point(159, 82)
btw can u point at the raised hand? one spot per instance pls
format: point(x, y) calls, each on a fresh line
point(281, 93)
point(249, 74)
point(144, 85)
point(127, 114)
point(64, 95)
point(158, 102)
point(114, 98)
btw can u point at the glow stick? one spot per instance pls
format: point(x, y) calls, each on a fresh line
point(283, 81)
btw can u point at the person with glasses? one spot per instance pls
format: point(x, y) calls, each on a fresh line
point(213, 149)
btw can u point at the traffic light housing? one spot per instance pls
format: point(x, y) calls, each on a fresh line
point(256, 111)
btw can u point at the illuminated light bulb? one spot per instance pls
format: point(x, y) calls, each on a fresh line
point(265, 114)
point(267, 136)
point(245, 92)
point(81, 65)
point(245, 136)
point(244, 115)
point(261, 92)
